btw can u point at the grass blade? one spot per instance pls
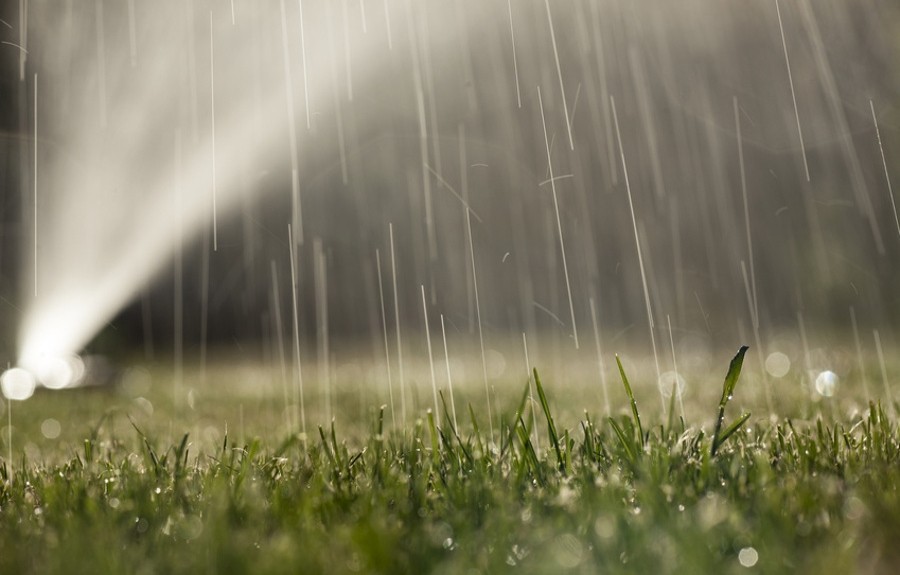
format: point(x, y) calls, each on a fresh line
point(731, 379)
point(634, 408)
point(551, 427)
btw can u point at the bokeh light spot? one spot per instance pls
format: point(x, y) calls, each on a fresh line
point(748, 556)
point(826, 383)
point(17, 383)
point(778, 364)
point(51, 428)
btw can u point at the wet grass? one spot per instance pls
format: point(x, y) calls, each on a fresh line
point(618, 495)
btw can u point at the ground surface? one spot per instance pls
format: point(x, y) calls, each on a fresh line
point(122, 480)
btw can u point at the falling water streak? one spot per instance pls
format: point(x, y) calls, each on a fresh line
point(303, 61)
point(703, 313)
point(464, 184)
point(324, 359)
point(677, 255)
point(101, 61)
point(837, 109)
point(192, 71)
point(432, 108)
point(478, 318)
point(178, 307)
point(562, 245)
point(387, 25)
point(423, 137)
point(204, 304)
point(512, 37)
point(562, 87)
point(787, 62)
point(859, 358)
point(675, 368)
point(887, 177)
point(397, 325)
point(759, 349)
point(298, 368)
point(212, 114)
point(362, 16)
point(9, 475)
point(637, 243)
point(807, 358)
point(338, 114)
point(884, 378)
point(449, 378)
point(233, 23)
point(35, 180)
point(646, 121)
point(387, 354)
point(600, 367)
point(575, 102)
point(147, 325)
point(754, 308)
point(437, 412)
point(279, 334)
point(132, 34)
point(292, 130)
point(462, 199)
point(347, 67)
point(604, 92)
point(531, 401)
point(23, 37)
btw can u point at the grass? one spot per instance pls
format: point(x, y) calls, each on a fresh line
point(612, 496)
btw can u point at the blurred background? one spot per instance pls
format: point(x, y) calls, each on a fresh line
point(177, 140)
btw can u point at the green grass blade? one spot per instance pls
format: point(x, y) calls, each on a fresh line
point(732, 428)
point(634, 408)
point(551, 427)
point(623, 441)
point(731, 379)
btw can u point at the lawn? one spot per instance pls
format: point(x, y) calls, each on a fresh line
point(110, 481)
